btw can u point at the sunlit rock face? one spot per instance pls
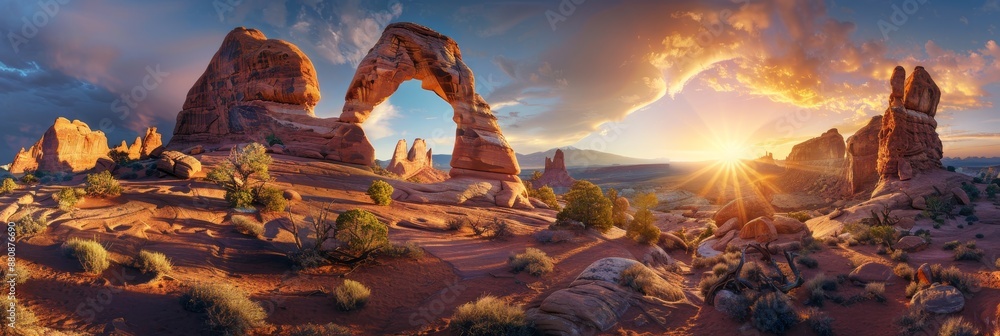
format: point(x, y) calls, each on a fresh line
point(410, 51)
point(908, 140)
point(555, 174)
point(67, 146)
point(406, 164)
point(862, 157)
point(144, 147)
point(259, 89)
point(828, 146)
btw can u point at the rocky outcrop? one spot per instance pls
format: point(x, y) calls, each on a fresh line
point(862, 157)
point(410, 51)
point(147, 146)
point(555, 174)
point(67, 146)
point(908, 140)
point(760, 229)
point(939, 299)
point(407, 164)
point(828, 146)
point(178, 164)
point(743, 209)
point(256, 89)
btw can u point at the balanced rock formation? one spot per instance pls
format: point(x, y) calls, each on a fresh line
point(67, 146)
point(410, 51)
point(908, 140)
point(149, 145)
point(828, 146)
point(555, 174)
point(862, 157)
point(255, 88)
point(406, 164)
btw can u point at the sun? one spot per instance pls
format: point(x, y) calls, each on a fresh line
point(731, 152)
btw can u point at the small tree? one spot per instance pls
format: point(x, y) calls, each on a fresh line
point(103, 184)
point(586, 203)
point(243, 174)
point(646, 201)
point(7, 186)
point(361, 231)
point(641, 229)
point(548, 196)
point(380, 192)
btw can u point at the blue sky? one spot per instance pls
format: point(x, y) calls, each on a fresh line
point(650, 79)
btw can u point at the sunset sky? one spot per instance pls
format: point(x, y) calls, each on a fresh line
point(646, 79)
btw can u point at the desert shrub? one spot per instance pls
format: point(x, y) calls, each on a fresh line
point(820, 322)
point(497, 229)
point(807, 261)
point(361, 231)
point(120, 157)
point(971, 191)
point(966, 210)
point(533, 260)
point(816, 289)
point(903, 270)
point(646, 201)
point(247, 226)
point(914, 319)
point(226, 308)
point(899, 255)
point(241, 199)
point(154, 263)
point(954, 277)
point(489, 316)
point(738, 309)
point(875, 291)
point(980, 236)
point(642, 230)
point(407, 250)
point(328, 329)
point(351, 295)
point(956, 326)
point(103, 184)
point(586, 203)
point(380, 192)
point(29, 225)
point(773, 312)
point(26, 323)
point(547, 196)
point(7, 186)
point(307, 258)
point(91, 254)
point(18, 274)
point(68, 197)
point(272, 140)
point(643, 280)
point(706, 283)
point(751, 270)
point(29, 178)
point(272, 199)
point(720, 269)
point(952, 245)
point(801, 216)
point(913, 288)
point(964, 252)
point(991, 191)
point(243, 174)
point(729, 258)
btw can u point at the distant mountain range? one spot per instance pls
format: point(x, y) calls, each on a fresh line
point(971, 161)
point(575, 157)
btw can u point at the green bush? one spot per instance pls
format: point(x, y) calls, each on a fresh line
point(226, 308)
point(801, 216)
point(68, 198)
point(240, 199)
point(956, 326)
point(547, 196)
point(773, 312)
point(92, 256)
point(7, 186)
point(820, 322)
point(380, 192)
point(361, 231)
point(586, 203)
point(248, 226)
point(351, 295)
point(971, 191)
point(533, 260)
point(19, 274)
point(328, 329)
point(489, 316)
point(272, 199)
point(103, 184)
point(30, 225)
point(155, 263)
point(29, 178)
point(991, 191)
point(243, 174)
point(409, 250)
point(643, 280)
point(642, 230)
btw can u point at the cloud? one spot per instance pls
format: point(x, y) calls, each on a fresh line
point(343, 33)
point(378, 125)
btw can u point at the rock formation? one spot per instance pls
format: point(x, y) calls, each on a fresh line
point(555, 174)
point(407, 164)
point(65, 147)
point(862, 157)
point(743, 209)
point(828, 146)
point(149, 145)
point(255, 88)
point(410, 51)
point(178, 164)
point(908, 140)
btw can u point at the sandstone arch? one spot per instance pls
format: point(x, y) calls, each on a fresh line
point(409, 51)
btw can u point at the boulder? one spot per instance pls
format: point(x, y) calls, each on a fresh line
point(870, 272)
point(670, 241)
point(744, 209)
point(724, 241)
point(919, 203)
point(291, 195)
point(921, 93)
point(194, 150)
point(830, 145)
point(178, 164)
point(787, 225)
point(911, 244)
point(729, 226)
point(8, 211)
point(67, 146)
point(908, 137)
point(592, 303)
point(939, 299)
point(555, 174)
point(760, 229)
point(961, 196)
point(862, 158)
point(906, 223)
point(924, 275)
